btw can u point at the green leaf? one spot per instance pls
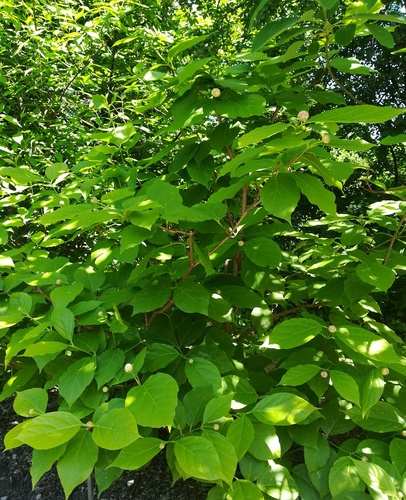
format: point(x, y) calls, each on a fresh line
point(202, 373)
point(317, 458)
point(43, 460)
point(299, 375)
point(138, 454)
point(282, 409)
point(260, 133)
point(381, 277)
point(364, 113)
point(240, 388)
point(168, 197)
point(266, 444)
point(315, 192)
point(346, 386)
point(154, 402)
point(381, 34)
point(376, 478)
point(63, 295)
point(217, 408)
point(280, 196)
point(241, 489)
point(115, 429)
point(344, 477)
point(277, 482)
point(198, 457)
point(371, 389)
point(344, 35)
point(226, 453)
point(236, 105)
point(109, 363)
point(158, 356)
point(382, 417)
point(31, 402)
point(272, 30)
point(50, 430)
point(241, 434)
point(191, 298)
point(292, 333)
point(76, 378)
point(263, 252)
point(77, 463)
point(63, 321)
point(184, 45)
point(397, 451)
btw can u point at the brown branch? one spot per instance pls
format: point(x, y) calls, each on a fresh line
point(394, 238)
point(159, 311)
point(191, 248)
point(294, 310)
point(275, 114)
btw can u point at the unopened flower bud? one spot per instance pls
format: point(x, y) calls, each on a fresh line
point(215, 92)
point(58, 282)
point(89, 425)
point(94, 200)
point(105, 389)
point(100, 314)
point(303, 115)
point(31, 411)
point(128, 368)
point(385, 371)
point(241, 243)
point(190, 361)
point(325, 139)
point(161, 446)
point(332, 329)
point(364, 459)
point(323, 374)
point(68, 353)
point(216, 427)
point(220, 52)
point(404, 433)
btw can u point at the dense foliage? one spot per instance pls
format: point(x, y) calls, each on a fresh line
point(200, 255)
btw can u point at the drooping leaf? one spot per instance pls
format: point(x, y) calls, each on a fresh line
point(292, 333)
point(76, 378)
point(115, 429)
point(282, 409)
point(280, 196)
point(191, 298)
point(198, 457)
point(138, 454)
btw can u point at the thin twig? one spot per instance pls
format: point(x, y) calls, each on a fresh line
point(393, 239)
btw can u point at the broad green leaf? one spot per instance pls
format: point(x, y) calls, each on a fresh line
point(376, 478)
point(158, 356)
point(154, 402)
point(138, 454)
point(381, 34)
point(186, 72)
point(76, 378)
point(299, 375)
point(272, 30)
point(168, 197)
point(263, 252)
point(31, 402)
point(115, 429)
point(77, 462)
point(217, 408)
point(302, 479)
point(277, 482)
point(240, 388)
point(397, 451)
point(266, 444)
point(184, 45)
point(371, 389)
point(236, 105)
point(363, 113)
point(260, 133)
point(381, 277)
point(344, 35)
point(315, 192)
point(382, 417)
point(202, 373)
point(43, 460)
point(241, 489)
point(317, 458)
point(240, 434)
point(282, 409)
point(191, 298)
point(346, 386)
point(344, 477)
point(63, 321)
point(198, 457)
point(280, 196)
point(109, 363)
point(292, 333)
point(226, 453)
point(18, 381)
point(63, 295)
point(50, 430)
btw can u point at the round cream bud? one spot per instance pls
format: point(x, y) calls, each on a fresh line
point(216, 427)
point(128, 368)
point(93, 200)
point(325, 139)
point(190, 361)
point(31, 411)
point(61, 202)
point(89, 425)
point(400, 494)
point(385, 371)
point(404, 433)
point(215, 92)
point(58, 282)
point(161, 446)
point(68, 353)
point(100, 314)
point(323, 374)
point(220, 52)
point(241, 243)
point(303, 115)
point(332, 329)
point(364, 459)
point(105, 389)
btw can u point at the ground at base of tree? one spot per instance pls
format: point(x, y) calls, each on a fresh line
point(151, 483)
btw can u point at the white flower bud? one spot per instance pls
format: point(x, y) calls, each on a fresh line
point(68, 353)
point(241, 243)
point(128, 368)
point(58, 282)
point(215, 92)
point(100, 314)
point(216, 427)
point(31, 411)
point(364, 459)
point(161, 446)
point(303, 115)
point(105, 389)
point(94, 200)
point(220, 52)
point(323, 374)
point(332, 329)
point(325, 139)
point(190, 361)
point(385, 371)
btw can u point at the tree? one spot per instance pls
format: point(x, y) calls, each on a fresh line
point(173, 256)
